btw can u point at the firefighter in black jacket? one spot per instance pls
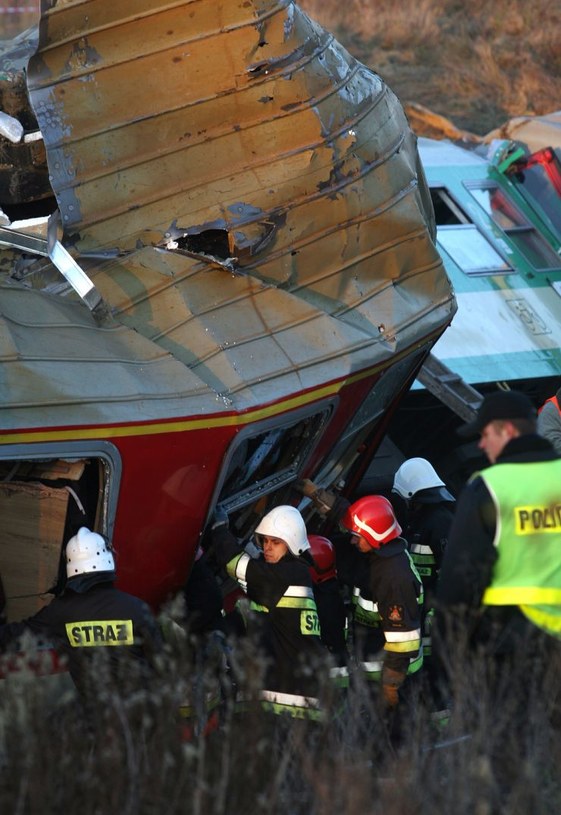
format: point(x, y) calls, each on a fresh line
point(388, 592)
point(329, 600)
point(427, 518)
point(91, 615)
point(388, 597)
point(279, 587)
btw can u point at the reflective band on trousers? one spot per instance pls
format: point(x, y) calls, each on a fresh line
point(289, 699)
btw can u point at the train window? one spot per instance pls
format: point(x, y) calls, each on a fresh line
point(520, 231)
point(471, 250)
point(461, 238)
point(538, 179)
point(44, 500)
point(354, 441)
point(264, 461)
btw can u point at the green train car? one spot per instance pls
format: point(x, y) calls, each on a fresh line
point(498, 213)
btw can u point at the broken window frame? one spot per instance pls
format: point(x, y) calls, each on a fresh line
point(358, 434)
point(537, 178)
point(106, 452)
point(462, 240)
point(32, 563)
point(318, 417)
point(522, 233)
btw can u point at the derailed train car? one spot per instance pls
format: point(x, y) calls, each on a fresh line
point(498, 212)
point(220, 277)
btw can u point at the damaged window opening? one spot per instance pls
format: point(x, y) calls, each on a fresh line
point(523, 234)
point(263, 462)
point(29, 210)
point(213, 242)
point(43, 502)
point(468, 247)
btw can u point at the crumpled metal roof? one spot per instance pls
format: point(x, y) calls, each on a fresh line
point(535, 132)
point(246, 197)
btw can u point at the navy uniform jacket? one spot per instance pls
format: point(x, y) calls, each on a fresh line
point(387, 605)
point(78, 624)
point(282, 596)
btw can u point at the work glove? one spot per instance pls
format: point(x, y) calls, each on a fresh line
point(219, 519)
point(218, 523)
point(322, 500)
point(391, 682)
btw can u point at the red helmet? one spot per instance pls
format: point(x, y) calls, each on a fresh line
point(373, 518)
point(323, 554)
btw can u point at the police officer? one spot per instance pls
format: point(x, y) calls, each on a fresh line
point(91, 615)
point(501, 572)
point(279, 587)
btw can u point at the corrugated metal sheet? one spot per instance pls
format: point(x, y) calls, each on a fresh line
point(258, 199)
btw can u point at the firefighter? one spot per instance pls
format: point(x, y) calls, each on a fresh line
point(387, 597)
point(428, 515)
point(329, 599)
point(387, 593)
point(279, 587)
point(92, 617)
point(501, 574)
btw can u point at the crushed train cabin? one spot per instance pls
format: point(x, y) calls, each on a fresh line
point(226, 280)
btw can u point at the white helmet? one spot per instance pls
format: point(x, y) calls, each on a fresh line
point(415, 474)
point(286, 523)
point(87, 552)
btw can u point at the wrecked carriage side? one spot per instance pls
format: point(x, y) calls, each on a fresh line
point(248, 201)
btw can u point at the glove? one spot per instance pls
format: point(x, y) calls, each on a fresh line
point(306, 487)
point(219, 518)
point(322, 500)
point(391, 682)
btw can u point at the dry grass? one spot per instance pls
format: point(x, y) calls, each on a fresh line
point(478, 68)
point(136, 759)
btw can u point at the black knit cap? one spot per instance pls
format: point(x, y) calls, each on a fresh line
point(499, 405)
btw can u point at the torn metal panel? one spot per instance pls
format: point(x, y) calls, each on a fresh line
point(535, 132)
point(200, 113)
point(246, 198)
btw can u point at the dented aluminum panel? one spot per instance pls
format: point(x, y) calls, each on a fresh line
point(535, 132)
point(246, 198)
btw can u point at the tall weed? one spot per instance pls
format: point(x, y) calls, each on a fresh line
point(135, 753)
